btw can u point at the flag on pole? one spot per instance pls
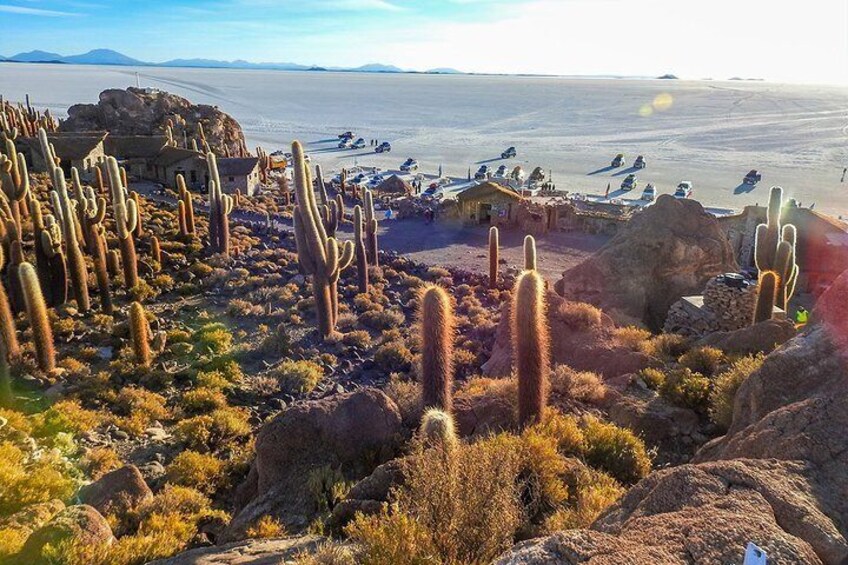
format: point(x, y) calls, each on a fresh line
point(606, 195)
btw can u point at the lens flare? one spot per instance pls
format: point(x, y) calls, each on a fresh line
point(646, 110)
point(663, 101)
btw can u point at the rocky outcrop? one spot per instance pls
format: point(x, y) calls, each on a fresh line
point(249, 552)
point(82, 524)
point(776, 479)
point(764, 337)
point(353, 432)
point(582, 347)
point(667, 251)
point(116, 492)
point(137, 111)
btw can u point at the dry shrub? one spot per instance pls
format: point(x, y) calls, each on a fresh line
point(358, 338)
point(704, 360)
point(615, 450)
point(25, 480)
point(98, 461)
point(216, 430)
point(687, 389)
point(395, 538)
point(726, 385)
point(393, 357)
point(583, 386)
point(203, 399)
point(654, 378)
point(407, 395)
point(329, 554)
point(266, 527)
point(667, 346)
point(66, 416)
point(213, 338)
point(138, 408)
point(199, 470)
point(592, 493)
point(579, 315)
point(632, 338)
point(298, 377)
point(382, 319)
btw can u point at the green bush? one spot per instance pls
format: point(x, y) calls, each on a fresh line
point(393, 357)
point(615, 450)
point(704, 360)
point(684, 388)
point(298, 377)
point(214, 338)
point(726, 385)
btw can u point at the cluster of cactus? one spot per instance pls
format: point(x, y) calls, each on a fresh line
point(50, 262)
point(126, 216)
point(264, 165)
point(359, 250)
point(437, 335)
point(92, 213)
point(319, 255)
point(14, 179)
point(493, 257)
point(220, 207)
point(66, 216)
point(185, 208)
point(25, 121)
point(531, 346)
point(774, 256)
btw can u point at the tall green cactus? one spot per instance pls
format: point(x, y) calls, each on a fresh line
point(322, 188)
point(14, 178)
point(139, 334)
point(42, 334)
point(437, 334)
point(55, 281)
point(766, 296)
point(188, 204)
point(8, 333)
point(126, 216)
point(493, 257)
point(359, 250)
point(371, 230)
point(531, 346)
point(220, 207)
point(529, 253)
point(318, 254)
point(774, 249)
point(93, 212)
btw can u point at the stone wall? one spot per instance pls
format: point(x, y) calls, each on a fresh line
point(721, 308)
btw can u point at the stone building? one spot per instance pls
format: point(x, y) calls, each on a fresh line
point(173, 161)
point(80, 150)
point(136, 152)
point(488, 204)
point(239, 173)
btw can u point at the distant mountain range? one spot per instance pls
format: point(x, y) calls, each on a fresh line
point(110, 57)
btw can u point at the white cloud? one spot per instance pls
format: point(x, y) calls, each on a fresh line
point(34, 11)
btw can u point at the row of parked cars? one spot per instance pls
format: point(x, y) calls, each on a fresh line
point(346, 141)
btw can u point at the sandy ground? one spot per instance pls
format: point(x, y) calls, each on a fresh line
point(709, 132)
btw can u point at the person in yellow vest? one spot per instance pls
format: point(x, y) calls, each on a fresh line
point(801, 316)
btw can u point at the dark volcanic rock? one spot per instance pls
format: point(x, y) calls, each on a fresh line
point(758, 338)
point(117, 492)
point(137, 111)
point(668, 251)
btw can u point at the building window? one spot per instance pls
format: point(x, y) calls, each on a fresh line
point(193, 176)
point(232, 179)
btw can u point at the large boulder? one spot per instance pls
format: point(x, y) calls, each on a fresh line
point(116, 492)
point(352, 432)
point(764, 337)
point(669, 250)
point(583, 347)
point(137, 111)
point(81, 524)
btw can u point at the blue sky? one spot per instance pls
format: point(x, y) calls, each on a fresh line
point(773, 39)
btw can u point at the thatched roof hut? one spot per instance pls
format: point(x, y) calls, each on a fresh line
point(488, 203)
point(394, 185)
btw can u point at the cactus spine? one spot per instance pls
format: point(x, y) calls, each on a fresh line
point(126, 216)
point(139, 334)
point(36, 309)
point(155, 250)
point(66, 216)
point(371, 229)
point(359, 250)
point(437, 329)
point(531, 347)
point(766, 296)
point(529, 253)
point(775, 250)
point(493, 257)
point(138, 232)
point(438, 429)
point(220, 207)
point(318, 254)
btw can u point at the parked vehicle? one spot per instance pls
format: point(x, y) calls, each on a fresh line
point(753, 177)
point(684, 190)
point(509, 153)
point(345, 143)
point(650, 193)
point(518, 174)
point(538, 175)
point(440, 182)
point(358, 144)
point(346, 135)
point(384, 147)
point(376, 181)
point(618, 160)
point(629, 182)
point(482, 173)
point(409, 165)
point(640, 163)
point(501, 172)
